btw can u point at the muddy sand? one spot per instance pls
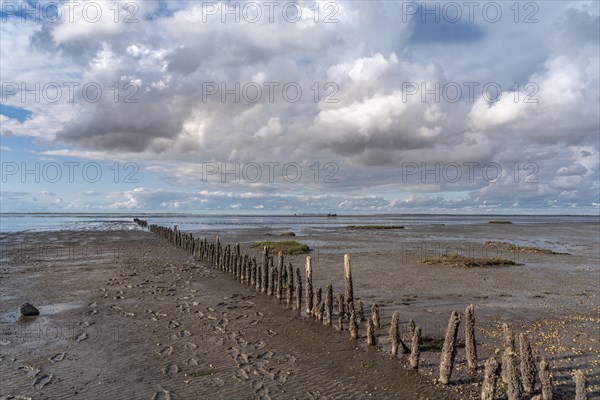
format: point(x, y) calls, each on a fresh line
point(125, 314)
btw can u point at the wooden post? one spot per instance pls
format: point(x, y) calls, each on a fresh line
point(513, 389)
point(411, 326)
point(375, 315)
point(509, 343)
point(341, 311)
point(317, 307)
point(415, 351)
point(449, 349)
point(290, 286)
point(371, 338)
point(265, 270)
point(348, 279)
point(329, 304)
point(258, 277)
point(361, 312)
point(280, 273)
point(395, 334)
point(271, 274)
point(580, 383)
point(546, 381)
point(490, 380)
point(309, 287)
point(470, 343)
point(298, 290)
point(527, 364)
point(352, 326)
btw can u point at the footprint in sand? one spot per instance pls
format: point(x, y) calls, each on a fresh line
point(29, 370)
point(81, 336)
point(170, 369)
point(184, 333)
point(162, 394)
point(173, 324)
point(42, 381)
point(241, 375)
point(218, 381)
point(262, 392)
point(166, 351)
point(191, 346)
point(92, 312)
point(57, 357)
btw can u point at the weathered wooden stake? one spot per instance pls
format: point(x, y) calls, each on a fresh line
point(513, 387)
point(309, 287)
point(415, 351)
point(298, 290)
point(371, 338)
point(411, 327)
point(329, 304)
point(449, 349)
point(348, 279)
point(352, 326)
point(527, 364)
point(470, 343)
point(580, 383)
point(341, 311)
point(395, 333)
point(361, 311)
point(546, 380)
point(490, 380)
point(290, 286)
point(280, 272)
point(271, 275)
point(375, 315)
point(317, 306)
point(509, 343)
point(265, 270)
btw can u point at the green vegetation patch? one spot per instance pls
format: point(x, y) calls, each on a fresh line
point(506, 246)
point(286, 246)
point(500, 222)
point(375, 227)
point(460, 261)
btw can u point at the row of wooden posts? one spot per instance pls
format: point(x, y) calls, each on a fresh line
point(279, 281)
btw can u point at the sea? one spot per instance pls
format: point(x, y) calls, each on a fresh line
point(38, 222)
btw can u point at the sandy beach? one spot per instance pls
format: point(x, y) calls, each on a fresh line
point(125, 314)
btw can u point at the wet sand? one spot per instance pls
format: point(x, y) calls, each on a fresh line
point(128, 315)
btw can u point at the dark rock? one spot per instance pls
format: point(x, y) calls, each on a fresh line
point(28, 310)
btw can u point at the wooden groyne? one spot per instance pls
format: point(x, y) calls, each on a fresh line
point(511, 377)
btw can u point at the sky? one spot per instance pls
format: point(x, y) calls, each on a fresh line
point(283, 107)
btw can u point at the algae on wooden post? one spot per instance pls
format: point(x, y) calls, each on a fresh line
point(309, 287)
point(348, 279)
point(490, 379)
point(470, 343)
point(580, 382)
point(329, 304)
point(375, 315)
point(415, 351)
point(371, 338)
point(352, 327)
point(395, 334)
point(527, 364)
point(449, 349)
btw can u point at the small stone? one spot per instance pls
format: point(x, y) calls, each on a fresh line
point(27, 310)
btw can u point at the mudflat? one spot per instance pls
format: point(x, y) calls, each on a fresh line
point(125, 314)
